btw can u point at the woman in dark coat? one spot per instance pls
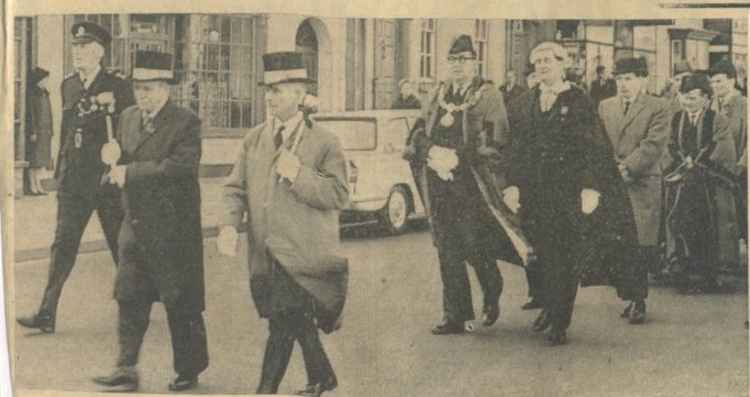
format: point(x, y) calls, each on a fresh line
point(702, 230)
point(39, 130)
point(574, 208)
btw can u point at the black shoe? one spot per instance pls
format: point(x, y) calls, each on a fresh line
point(638, 313)
point(556, 338)
point(626, 312)
point(317, 389)
point(42, 321)
point(448, 328)
point(123, 379)
point(541, 323)
point(491, 314)
point(183, 382)
point(532, 305)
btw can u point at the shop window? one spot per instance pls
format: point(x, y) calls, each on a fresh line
point(427, 48)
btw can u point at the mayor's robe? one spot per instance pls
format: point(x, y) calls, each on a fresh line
point(485, 147)
point(296, 225)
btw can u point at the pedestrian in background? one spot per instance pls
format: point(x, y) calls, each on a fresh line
point(38, 130)
point(511, 89)
point(407, 98)
point(602, 87)
point(637, 126)
point(701, 219)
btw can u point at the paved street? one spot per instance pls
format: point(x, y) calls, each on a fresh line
point(692, 346)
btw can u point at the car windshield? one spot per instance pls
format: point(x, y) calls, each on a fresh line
point(355, 134)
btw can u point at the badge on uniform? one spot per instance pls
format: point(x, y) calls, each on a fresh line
point(78, 139)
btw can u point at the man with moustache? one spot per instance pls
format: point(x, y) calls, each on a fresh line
point(459, 157)
point(89, 96)
point(638, 128)
point(290, 181)
point(160, 241)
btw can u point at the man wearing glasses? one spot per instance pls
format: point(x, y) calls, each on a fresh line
point(459, 155)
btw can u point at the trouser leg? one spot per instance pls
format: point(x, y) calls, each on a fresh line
point(490, 279)
point(133, 320)
point(278, 351)
point(189, 344)
point(73, 215)
point(561, 287)
point(317, 364)
point(534, 281)
point(457, 303)
point(110, 212)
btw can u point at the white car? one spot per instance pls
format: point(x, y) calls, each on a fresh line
point(382, 187)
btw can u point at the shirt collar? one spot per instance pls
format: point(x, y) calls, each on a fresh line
point(461, 89)
point(90, 77)
point(289, 125)
point(152, 115)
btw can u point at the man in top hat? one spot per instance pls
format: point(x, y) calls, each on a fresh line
point(638, 127)
point(459, 159)
point(89, 96)
point(160, 241)
point(729, 102)
point(602, 87)
point(290, 181)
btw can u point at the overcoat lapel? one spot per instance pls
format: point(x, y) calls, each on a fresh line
point(161, 123)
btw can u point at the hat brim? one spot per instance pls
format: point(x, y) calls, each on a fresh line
point(287, 81)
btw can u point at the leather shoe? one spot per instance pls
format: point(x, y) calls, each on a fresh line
point(556, 338)
point(317, 389)
point(448, 328)
point(532, 305)
point(183, 382)
point(42, 321)
point(122, 379)
point(491, 314)
point(541, 323)
point(638, 313)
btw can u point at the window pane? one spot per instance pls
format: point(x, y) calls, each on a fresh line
point(354, 134)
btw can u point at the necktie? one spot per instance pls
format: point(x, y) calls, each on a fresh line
point(627, 107)
point(278, 139)
point(148, 123)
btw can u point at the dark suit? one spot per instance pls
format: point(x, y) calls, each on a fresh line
point(79, 174)
point(513, 93)
point(601, 90)
point(161, 243)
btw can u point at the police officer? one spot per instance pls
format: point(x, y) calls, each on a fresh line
point(89, 96)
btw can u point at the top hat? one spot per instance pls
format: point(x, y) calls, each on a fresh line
point(86, 32)
point(723, 67)
point(153, 66)
point(284, 67)
point(36, 75)
point(462, 44)
point(637, 66)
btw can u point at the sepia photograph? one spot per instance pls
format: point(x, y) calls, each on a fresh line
point(256, 203)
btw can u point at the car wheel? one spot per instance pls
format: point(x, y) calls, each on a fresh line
point(395, 214)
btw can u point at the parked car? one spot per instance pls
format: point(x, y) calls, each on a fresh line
point(382, 187)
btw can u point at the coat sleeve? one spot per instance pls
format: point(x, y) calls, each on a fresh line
point(324, 187)
point(183, 160)
point(235, 191)
point(651, 147)
point(724, 154)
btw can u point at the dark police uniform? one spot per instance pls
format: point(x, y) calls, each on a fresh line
point(80, 170)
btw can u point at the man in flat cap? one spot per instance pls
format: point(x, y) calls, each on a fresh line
point(638, 127)
point(89, 95)
point(729, 102)
point(290, 181)
point(160, 241)
point(459, 157)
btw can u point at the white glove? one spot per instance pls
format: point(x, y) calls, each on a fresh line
point(117, 175)
point(442, 159)
point(288, 166)
point(228, 241)
point(589, 200)
point(511, 198)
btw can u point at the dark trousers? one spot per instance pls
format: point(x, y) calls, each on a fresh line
point(633, 284)
point(457, 302)
point(284, 328)
point(187, 330)
point(560, 286)
point(534, 279)
point(73, 213)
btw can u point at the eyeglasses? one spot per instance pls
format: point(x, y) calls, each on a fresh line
point(459, 59)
